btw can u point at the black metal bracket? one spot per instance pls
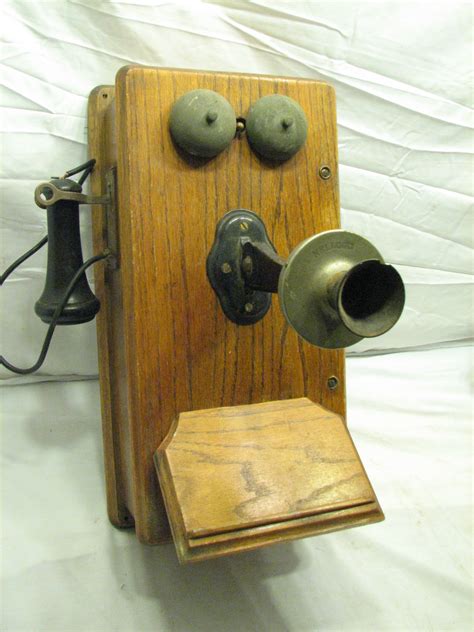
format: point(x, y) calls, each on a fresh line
point(243, 267)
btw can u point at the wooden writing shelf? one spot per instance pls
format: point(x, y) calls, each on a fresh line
point(246, 476)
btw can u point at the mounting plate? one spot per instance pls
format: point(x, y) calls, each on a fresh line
point(241, 304)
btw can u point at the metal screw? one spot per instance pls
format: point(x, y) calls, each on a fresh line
point(240, 126)
point(226, 268)
point(244, 226)
point(211, 116)
point(248, 307)
point(333, 382)
point(325, 172)
point(247, 265)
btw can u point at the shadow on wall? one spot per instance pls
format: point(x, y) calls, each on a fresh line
point(226, 594)
point(110, 580)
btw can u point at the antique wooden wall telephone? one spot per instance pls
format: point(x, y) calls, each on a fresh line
point(223, 414)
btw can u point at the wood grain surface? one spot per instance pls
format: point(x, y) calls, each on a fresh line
point(164, 344)
point(230, 474)
point(110, 324)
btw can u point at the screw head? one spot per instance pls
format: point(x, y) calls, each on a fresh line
point(247, 265)
point(333, 382)
point(211, 116)
point(226, 268)
point(244, 226)
point(325, 172)
point(248, 307)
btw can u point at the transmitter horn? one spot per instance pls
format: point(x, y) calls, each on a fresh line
point(334, 289)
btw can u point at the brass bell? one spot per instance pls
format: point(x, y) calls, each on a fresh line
point(202, 123)
point(276, 127)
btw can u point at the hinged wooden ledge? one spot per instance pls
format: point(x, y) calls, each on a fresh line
point(240, 477)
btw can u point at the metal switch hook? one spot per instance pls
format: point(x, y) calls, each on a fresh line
point(47, 194)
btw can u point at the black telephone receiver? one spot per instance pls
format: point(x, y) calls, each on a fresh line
point(67, 298)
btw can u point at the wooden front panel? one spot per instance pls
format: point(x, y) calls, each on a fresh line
point(180, 352)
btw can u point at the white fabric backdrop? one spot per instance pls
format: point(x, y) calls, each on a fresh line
point(402, 75)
